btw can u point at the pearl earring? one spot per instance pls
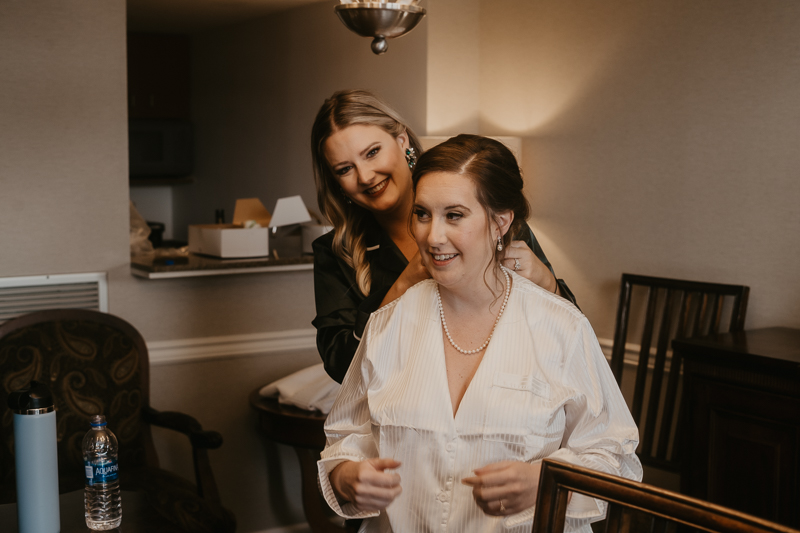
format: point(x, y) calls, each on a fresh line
point(499, 244)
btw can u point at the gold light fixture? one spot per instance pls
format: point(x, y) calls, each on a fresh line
point(380, 20)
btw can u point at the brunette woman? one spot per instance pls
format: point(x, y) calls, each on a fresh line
point(463, 384)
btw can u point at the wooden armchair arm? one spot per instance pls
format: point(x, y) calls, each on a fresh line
point(201, 441)
point(185, 424)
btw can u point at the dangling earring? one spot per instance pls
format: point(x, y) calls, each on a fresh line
point(411, 157)
point(346, 198)
point(499, 244)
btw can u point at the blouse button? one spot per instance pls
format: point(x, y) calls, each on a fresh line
point(450, 447)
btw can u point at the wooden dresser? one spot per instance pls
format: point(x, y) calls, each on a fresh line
point(740, 435)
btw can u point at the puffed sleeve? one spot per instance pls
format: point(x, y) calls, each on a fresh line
point(348, 432)
point(600, 432)
point(342, 311)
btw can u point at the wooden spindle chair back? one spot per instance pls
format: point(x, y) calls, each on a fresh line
point(634, 507)
point(671, 309)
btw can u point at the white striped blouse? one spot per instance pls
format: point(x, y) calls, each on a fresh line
point(543, 389)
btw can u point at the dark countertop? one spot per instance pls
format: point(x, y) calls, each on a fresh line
point(178, 265)
point(777, 348)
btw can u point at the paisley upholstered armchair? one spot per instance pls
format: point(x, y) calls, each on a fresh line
point(96, 363)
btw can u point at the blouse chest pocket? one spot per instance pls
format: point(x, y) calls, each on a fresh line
point(517, 412)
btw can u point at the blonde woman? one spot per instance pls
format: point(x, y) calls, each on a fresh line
point(363, 154)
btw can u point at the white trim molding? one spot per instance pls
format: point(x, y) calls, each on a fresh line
point(631, 357)
point(253, 344)
point(209, 348)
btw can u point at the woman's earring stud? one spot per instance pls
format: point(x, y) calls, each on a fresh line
point(346, 198)
point(411, 157)
point(499, 244)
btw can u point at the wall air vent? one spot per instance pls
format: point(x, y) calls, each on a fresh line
point(22, 295)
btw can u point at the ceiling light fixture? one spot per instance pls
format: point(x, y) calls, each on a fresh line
point(380, 20)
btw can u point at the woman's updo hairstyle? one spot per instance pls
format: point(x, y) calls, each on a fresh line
point(343, 109)
point(492, 168)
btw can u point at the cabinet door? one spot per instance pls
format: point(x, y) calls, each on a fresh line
point(744, 449)
point(159, 76)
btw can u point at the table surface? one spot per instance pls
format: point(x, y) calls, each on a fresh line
point(777, 347)
point(137, 515)
point(288, 424)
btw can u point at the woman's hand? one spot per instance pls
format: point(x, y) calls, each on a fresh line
point(414, 272)
point(366, 484)
point(505, 488)
point(529, 266)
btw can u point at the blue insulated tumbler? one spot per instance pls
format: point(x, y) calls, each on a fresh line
point(36, 459)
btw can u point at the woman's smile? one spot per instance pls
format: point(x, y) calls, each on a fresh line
point(441, 260)
point(377, 189)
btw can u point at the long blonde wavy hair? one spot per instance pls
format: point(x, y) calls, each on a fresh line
point(350, 221)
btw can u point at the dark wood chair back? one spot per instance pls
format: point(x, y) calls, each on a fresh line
point(97, 363)
point(93, 363)
point(634, 507)
point(669, 309)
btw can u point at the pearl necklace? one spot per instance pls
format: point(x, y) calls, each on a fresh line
point(485, 344)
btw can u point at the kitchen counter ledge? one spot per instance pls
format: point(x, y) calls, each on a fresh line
point(150, 266)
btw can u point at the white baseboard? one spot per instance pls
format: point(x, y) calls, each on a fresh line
point(631, 353)
point(209, 348)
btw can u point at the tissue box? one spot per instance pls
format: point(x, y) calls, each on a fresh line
point(234, 240)
point(289, 217)
point(310, 233)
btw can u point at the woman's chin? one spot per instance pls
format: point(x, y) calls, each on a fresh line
point(384, 202)
point(444, 279)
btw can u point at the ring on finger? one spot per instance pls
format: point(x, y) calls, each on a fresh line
point(516, 267)
point(502, 507)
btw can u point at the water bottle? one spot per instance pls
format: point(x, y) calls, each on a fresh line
point(102, 499)
point(36, 459)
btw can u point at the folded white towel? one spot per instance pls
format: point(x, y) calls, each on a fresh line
point(310, 389)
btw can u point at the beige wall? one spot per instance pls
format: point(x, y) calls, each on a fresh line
point(63, 137)
point(454, 51)
point(659, 138)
